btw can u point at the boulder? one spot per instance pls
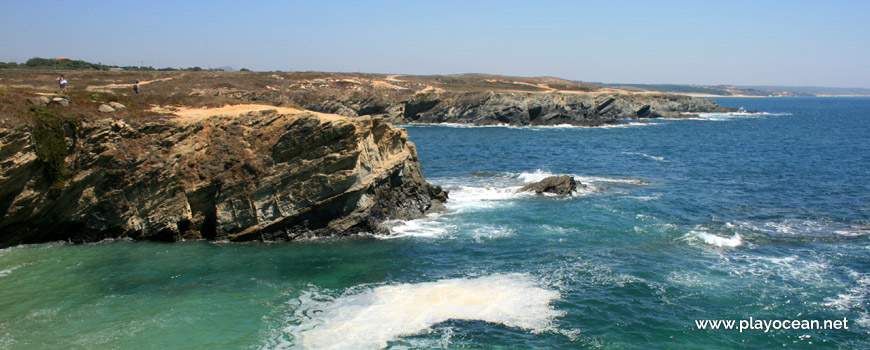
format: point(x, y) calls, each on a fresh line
point(117, 106)
point(104, 108)
point(562, 185)
point(62, 101)
point(38, 101)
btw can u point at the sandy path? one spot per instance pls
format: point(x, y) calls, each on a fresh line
point(385, 84)
point(188, 115)
point(119, 86)
point(393, 77)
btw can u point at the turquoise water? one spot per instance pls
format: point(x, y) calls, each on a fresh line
point(737, 216)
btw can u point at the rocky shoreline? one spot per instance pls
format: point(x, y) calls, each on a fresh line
point(259, 176)
point(322, 159)
point(513, 108)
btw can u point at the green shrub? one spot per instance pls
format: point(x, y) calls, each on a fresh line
point(49, 134)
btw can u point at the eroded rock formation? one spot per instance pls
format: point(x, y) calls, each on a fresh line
point(259, 176)
point(513, 108)
point(562, 185)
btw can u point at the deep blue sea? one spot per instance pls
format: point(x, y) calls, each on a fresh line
point(730, 217)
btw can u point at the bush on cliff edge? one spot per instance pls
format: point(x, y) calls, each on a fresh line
point(49, 135)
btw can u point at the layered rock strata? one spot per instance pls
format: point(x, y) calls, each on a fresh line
point(511, 108)
point(260, 176)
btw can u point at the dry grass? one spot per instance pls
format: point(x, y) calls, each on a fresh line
point(89, 89)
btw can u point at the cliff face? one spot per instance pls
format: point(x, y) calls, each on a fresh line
point(258, 176)
point(489, 108)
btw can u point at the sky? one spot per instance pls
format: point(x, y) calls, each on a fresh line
point(758, 42)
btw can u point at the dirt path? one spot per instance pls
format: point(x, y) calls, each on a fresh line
point(104, 88)
point(188, 115)
point(392, 77)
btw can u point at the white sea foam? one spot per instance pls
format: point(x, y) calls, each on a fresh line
point(646, 198)
point(807, 228)
point(535, 176)
point(600, 179)
point(468, 198)
point(792, 271)
point(487, 232)
point(538, 175)
point(712, 239)
point(373, 317)
point(660, 159)
point(864, 320)
point(428, 227)
point(732, 115)
point(6, 272)
point(720, 241)
point(855, 296)
point(526, 127)
point(438, 226)
point(626, 125)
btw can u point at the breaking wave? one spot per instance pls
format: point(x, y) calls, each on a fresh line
point(372, 317)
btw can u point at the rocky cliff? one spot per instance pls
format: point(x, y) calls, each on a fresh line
point(260, 176)
point(514, 108)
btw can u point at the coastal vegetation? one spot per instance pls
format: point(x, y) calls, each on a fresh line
point(50, 133)
point(69, 64)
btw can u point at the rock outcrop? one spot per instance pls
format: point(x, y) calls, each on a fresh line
point(261, 176)
point(562, 185)
point(104, 108)
point(515, 108)
point(38, 101)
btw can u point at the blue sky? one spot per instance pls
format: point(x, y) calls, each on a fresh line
point(685, 42)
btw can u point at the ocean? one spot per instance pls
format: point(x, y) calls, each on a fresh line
point(762, 217)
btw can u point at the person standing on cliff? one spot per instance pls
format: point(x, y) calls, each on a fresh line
point(136, 87)
point(62, 82)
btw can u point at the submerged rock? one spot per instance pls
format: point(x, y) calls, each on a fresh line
point(252, 177)
point(562, 185)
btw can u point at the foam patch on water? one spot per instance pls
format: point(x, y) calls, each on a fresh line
point(373, 317)
point(469, 198)
point(720, 241)
point(660, 159)
point(733, 115)
point(713, 239)
point(807, 228)
point(854, 297)
point(438, 226)
point(6, 272)
point(534, 176)
point(528, 127)
point(428, 227)
point(538, 175)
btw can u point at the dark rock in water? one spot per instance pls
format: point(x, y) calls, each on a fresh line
point(251, 177)
point(562, 185)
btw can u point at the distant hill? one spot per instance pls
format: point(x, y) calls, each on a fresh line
point(732, 90)
point(69, 64)
point(812, 90)
point(673, 88)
